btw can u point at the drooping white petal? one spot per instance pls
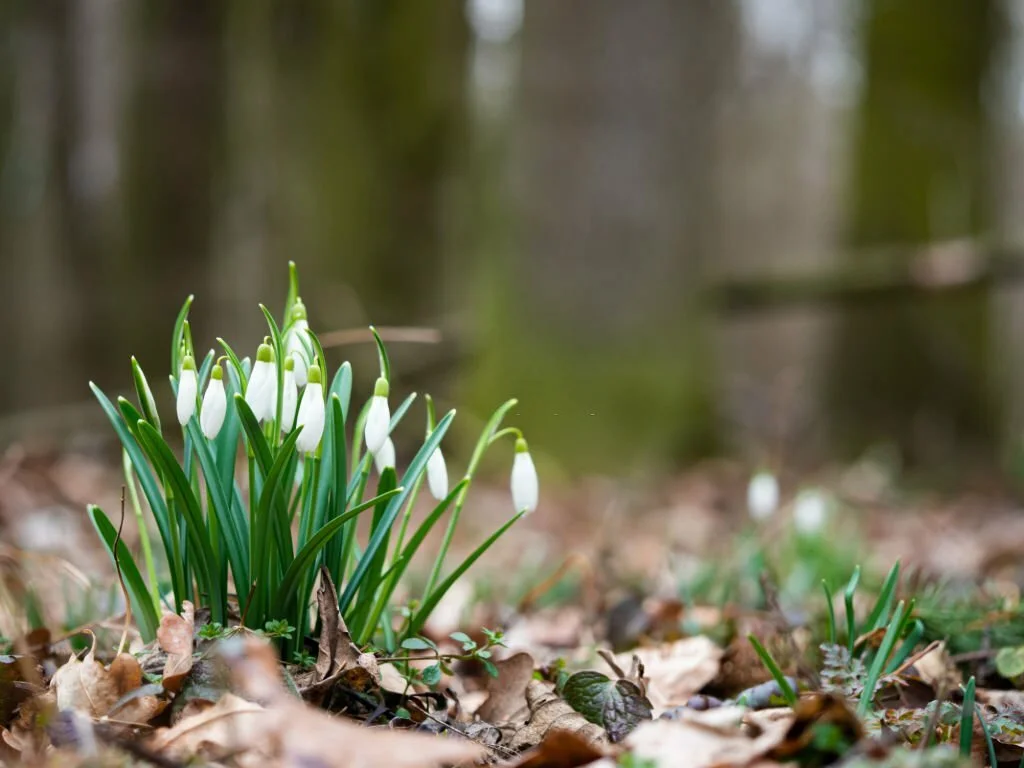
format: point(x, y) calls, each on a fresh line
point(437, 475)
point(296, 347)
point(762, 495)
point(378, 424)
point(261, 393)
point(289, 399)
point(188, 386)
point(311, 418)
point(385, 457)
point(215, 407)
point(525, 489)
point(810, 511)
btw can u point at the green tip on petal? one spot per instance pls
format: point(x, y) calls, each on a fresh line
point(381, 388)
point(313, 374)
point(217, 372)
point(298, 310)
point(289, 363)
point(521, 446)
point(188, 364)
point(265, 353)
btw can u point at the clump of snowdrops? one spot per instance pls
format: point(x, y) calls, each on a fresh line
point(271, 480)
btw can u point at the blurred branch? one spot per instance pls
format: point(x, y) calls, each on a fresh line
point(938, 270)
point(392, 334)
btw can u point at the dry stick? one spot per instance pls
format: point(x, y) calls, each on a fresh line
point(120, 580)
point(505, 751)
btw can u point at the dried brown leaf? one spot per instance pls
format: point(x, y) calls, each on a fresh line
point(561, 749)
point(507, 692)
point(336, 650)
point(290, 733)
point(674, 672)
point(176, 638)
point(711, 738)
point(549, 712)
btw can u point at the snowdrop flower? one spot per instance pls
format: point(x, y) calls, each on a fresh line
point(188, 387)
point(261, 393)
point(215, 404)
point(524, 479)
point(437, 475)
point(385, 457)
point(378, 420)
point(297, 341)
point(290, 394)
point(762, 495)
point(810, 511)
point(311, 413)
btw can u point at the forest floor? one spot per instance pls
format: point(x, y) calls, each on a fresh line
point(637, 628)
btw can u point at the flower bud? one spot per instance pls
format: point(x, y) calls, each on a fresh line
point(385, 457)
point(810, 512)
point(215, 404)
point(762, 495)
point(296, 341)
point(437, 475)
point(261, 393)
point(311, 413)
point(524, 479)
point(378, 420)
point(289, 395)
point(188, 388)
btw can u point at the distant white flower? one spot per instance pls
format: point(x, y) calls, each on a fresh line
point(188, 387)
point(378, 420)
point(810, 511)
point(437, 475)
point(297, 342)
point(311, 413)
point(524, 479)
point(289, 395)
point(762, 495)
point(261, 393)
point(215, 404)
point(385, 457)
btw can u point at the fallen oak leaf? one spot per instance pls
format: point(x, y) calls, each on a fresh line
point(561, 749)
point(507, 691)
point(335, 650)
point(675, 672)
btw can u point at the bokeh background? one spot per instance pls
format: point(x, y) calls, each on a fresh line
point(784, 230)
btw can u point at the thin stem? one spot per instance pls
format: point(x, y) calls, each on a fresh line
point(504, 432)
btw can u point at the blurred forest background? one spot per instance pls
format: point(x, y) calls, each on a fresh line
point(788, 230)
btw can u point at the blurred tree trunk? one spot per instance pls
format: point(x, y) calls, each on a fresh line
point(614, 188)
point(917, 373)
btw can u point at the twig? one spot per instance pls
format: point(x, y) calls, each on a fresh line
point(120, 580)
point(505, 751)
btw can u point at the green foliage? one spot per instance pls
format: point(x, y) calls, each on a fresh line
point(269, 525)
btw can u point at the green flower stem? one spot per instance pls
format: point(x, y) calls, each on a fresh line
point(147, 548)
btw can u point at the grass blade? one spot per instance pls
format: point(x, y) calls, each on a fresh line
point(178, 332)
point(831, 613)
point(879, 615)
point(967, 720)
point(851, 618)
point(770, 664)
point(878, 663)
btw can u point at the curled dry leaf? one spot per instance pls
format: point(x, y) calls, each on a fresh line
point(711, 738)
point(549, 712)
point(675, 671)
point(176, 638)
point(86, 686)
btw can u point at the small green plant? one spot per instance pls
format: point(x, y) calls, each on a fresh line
point(305, 471)
point(304, 659)
point(471, 651)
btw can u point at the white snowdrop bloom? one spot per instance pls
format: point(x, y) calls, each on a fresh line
point(378, 420)
point(289, 394)
point(762, 495)
point(385, 457)
point(215, 404)
point(188, 387)
point(297, 342)
point(524, 479)
point(311, 413)
point(437, 475)
point(261, 392)
point(810, 511)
